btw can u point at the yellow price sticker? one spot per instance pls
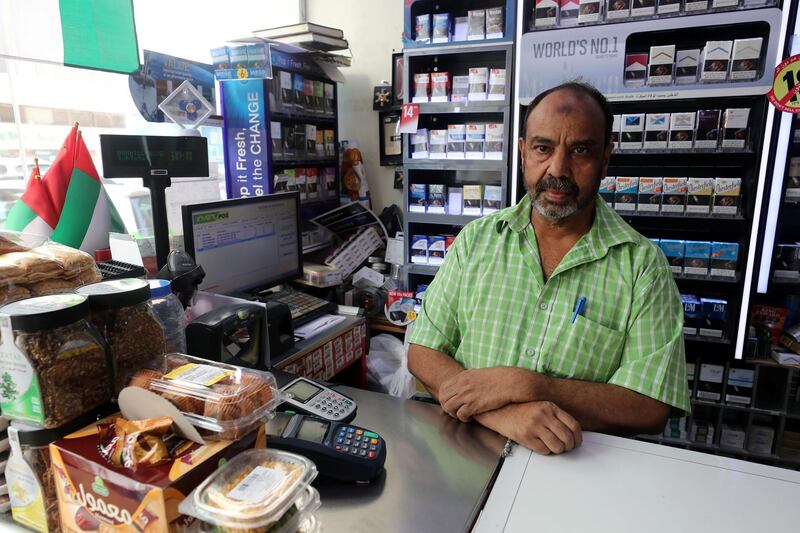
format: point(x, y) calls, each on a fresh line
point(786, 86)
point(241, 73)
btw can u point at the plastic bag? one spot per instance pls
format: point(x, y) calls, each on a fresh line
point(387, 366)
point(32, 266)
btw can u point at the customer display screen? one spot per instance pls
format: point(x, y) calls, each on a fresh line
point(139, 156)
point(312, 430)
point(245, 244)
point(302, 391)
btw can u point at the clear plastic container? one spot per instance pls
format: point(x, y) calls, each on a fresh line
point(254, 492)
point(224, 402)
point(121, 313)
point(169, 311)
point(54, 364)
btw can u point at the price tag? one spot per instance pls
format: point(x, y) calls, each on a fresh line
point(409, 118)
point(784, 93)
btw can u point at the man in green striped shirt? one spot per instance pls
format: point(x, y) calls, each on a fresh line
point(498, 339)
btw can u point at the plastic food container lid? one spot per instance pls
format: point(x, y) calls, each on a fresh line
point(213, 396)
point(253, 490)
point(160, 288)
point(116, 293)
point(309, 524)
point(46, 312)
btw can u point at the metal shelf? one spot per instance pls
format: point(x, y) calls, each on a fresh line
point(428, 270)
point(457, 47)
point(493, 106)
point(435, 218)
point(641, 215)
point(710, 340)
point(456, 164)
point(710, 279)
point(311, 162)
point(278, 116)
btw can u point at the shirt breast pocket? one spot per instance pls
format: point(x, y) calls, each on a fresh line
point(587, 351)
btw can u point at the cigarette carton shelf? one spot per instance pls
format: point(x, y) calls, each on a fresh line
point(455, 164)
point(433, 218)
point(311, 161)
point(462, 107)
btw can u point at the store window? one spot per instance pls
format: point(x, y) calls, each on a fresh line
point(39, 102)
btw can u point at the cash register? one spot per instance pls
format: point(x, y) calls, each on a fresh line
point(248, 246)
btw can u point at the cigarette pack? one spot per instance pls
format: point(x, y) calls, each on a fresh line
point(455, 200)
point(299, 146)
point(686, 62)
point(740, 388)
point(311, 139)
point(300, 182)
point(476, 25)
point(497, 84)
point(673, 195)
point(649, 194)
point(691, 313)
point(286, 90)
point(643, 8)
point(291, 179)
point(707, 134)
point(308, 94)
point(319, 97)
point(437, 193)
point(495, 23)
point(436, 249)
point(699, 191)
point(713, 316)
point(492, 198)
point(681, 130)
point(656, 131)
point(615, 126)
point(476, 134)
point(280, 182)
point(320, 143)
point(716, 57)
point(674, 252)
point(441, 28)
point(727, 192)
point(546, 13)
point(440, 86)
point(419, 145)
point(709, 385)
point(618, 9)
point(569, 13)
point(625, 194)
point(329, 174)
point(456, 141)
point(423, 28)
point(668, 6)
point(330, 108)
point(697, 258)
point(419, 249)
point(299, 88)
point(660, 67)
point(608, 186)
point(312, 183)
point(635, 69)
point(696, 5)
point(330, 146)
point(460, 91)
point(472, 200)
point(422, 83)
point(589, 11)
point(494, 140)
point(632, 132)
point(478, 78)
point(417, 197)
point(717, 4)
point(734, 127)
point(438, 144)
point(724, 258)
point(277, 139)
point(460, 28)
point(746, 59)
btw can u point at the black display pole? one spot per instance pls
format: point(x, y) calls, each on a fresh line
point(158, 201)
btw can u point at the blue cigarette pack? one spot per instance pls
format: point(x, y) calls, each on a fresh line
point(673, 251)
point(713, 316)
point(691, 313)
point(697, 258)
point(724, 256)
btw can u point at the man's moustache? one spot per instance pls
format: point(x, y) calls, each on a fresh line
point(557, 185)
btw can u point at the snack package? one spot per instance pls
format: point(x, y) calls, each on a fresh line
point(222, 401)
point(134, 443)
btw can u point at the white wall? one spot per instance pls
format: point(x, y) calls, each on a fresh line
point(373, 28)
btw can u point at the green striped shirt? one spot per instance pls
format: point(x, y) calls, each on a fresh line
point(489, 305)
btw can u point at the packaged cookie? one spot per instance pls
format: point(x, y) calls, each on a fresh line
point(120, 311)
point(53, 364)
point(258, 491)
point(223, 401)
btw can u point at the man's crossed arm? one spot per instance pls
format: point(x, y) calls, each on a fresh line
point(542, 413)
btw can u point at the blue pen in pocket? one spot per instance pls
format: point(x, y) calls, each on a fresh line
point(579, 305)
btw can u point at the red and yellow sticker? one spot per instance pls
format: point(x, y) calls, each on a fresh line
point(786, 86)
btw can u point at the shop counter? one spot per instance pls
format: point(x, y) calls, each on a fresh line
point(621, 485)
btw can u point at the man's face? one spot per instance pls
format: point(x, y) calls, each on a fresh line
point(564, 155)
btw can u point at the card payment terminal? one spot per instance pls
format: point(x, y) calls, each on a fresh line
point(309, 397)
point(341, 451)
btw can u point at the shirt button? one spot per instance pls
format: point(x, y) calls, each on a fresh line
point(543, 307)
point(530, 351)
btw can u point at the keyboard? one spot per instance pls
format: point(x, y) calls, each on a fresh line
point(304, 307)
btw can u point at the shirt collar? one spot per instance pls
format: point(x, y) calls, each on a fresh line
point(608, 229)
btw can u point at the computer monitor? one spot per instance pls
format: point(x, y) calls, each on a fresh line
point(246, 243)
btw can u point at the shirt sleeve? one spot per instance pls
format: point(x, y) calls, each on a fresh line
point(653, 361)
point(437, 325)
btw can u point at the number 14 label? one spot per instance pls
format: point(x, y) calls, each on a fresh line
point(784, 93)
point(409, 118)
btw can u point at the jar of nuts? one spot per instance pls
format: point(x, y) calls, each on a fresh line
point(120, 311)
point(53, 365)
